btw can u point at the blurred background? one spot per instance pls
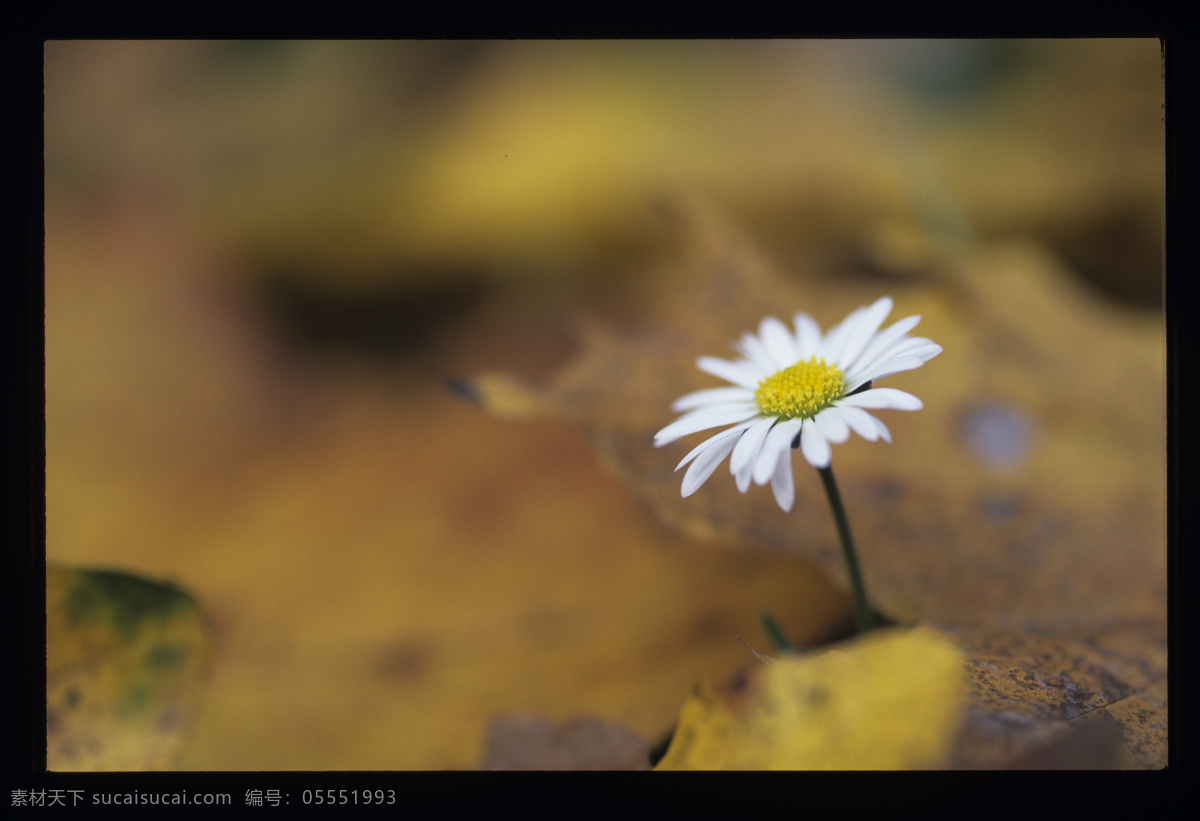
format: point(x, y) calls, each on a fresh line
point(264, 259)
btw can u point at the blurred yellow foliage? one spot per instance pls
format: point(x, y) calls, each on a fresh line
point(388, 569)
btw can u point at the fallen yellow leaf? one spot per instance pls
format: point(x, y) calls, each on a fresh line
point(886, 701)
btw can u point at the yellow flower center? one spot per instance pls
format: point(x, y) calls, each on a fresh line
point(801, 391)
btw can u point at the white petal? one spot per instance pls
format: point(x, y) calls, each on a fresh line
point(736, 430)
point(884, 433)
point(861, 331)
point(814, 447)
point(742, 480)
point(739, 373)
point(851, 386)
point(781, 344)
point(753, 349)
point(880, 347)
point(861, 422)
point(777, 445)
point(890, 367)
point(782, 484)
point(908, 346)
point(903, 348)
point(703, 419)
point(711, 396)
point(704, 465)
point(929, 351)
point(835, 340)
point(925, 350)
point(832, 426)
point(883, 398)
point(808, 337)
point(742, 461)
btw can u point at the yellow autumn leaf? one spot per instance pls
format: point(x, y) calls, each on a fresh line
point(123, 661)
point(886, 701)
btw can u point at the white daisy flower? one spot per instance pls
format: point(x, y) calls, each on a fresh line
point(803, 385)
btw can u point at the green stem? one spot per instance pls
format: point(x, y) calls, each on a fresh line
point(864, 619)
point(774, 631)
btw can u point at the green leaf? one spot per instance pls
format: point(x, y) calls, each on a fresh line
point(124, 663)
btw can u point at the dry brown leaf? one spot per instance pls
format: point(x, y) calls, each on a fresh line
point(1031, 690)
point(529, 742)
